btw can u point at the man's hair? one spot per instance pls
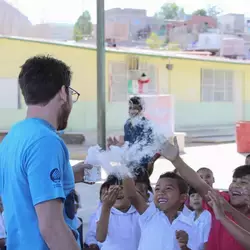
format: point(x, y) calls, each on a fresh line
point(136, 100)
point(205, 169)
point(248, 156)
point(41, 78)
point(182, 185)
point(241, 171)
point(192, 191)
point(141, 176)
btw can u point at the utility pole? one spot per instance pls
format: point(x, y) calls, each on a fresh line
point(101, 86)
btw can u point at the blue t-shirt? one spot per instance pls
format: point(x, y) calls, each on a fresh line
point(34, 168)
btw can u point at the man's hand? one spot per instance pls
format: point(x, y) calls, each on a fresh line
point(110, 197)
point(217, 203)
point(182, 238)
point(79, 172)
point(170, 151)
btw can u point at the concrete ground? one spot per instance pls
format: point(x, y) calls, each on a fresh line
point(222, 159)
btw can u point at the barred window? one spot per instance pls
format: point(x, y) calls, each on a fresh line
point(216, 85)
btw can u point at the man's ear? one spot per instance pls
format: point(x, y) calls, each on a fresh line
point(63, 94)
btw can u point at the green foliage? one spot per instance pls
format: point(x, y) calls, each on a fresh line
point(173, 47)
point(170, 11)
point(213, 11)
point(83, 26)
point(200, 12)
point(154, 42)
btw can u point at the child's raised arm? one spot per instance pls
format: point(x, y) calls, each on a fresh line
point(136, 198)
point(239, 233)
point(103, 223)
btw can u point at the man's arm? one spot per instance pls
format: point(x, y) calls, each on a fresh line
point(135, 197)
point(46, 163)
point(53, 228)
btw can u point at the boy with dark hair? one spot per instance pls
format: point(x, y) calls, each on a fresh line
point(238, 211)
point(163, 227)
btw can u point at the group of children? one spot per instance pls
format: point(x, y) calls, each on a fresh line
point(175, 215)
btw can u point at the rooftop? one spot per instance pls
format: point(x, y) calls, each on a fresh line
point(134, 51)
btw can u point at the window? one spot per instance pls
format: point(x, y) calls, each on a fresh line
point(216, 85)
point(124, 77)
point(9, 94)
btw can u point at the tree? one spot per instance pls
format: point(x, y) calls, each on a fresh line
point(83, 26)
point(213, 11)
point(200, 12)
point(170, 11)
point(154, 42)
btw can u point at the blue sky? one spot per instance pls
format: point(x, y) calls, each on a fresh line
point(68, 10)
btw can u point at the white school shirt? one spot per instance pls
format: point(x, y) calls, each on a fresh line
point(186, 211)
point(203, 224)
point(2, 228)
point(90, 237)
point(158, 233)
point(123, 230)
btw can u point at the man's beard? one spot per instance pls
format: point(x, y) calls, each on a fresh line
point(63, 116)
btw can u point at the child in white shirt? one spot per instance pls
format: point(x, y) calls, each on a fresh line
point(163, 227)
point(90, 238)
point(202, 218)
point(117, 221)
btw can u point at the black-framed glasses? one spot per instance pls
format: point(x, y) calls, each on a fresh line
point(75, 95)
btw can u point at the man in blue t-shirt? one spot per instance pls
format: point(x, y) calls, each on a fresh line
point(37, 181)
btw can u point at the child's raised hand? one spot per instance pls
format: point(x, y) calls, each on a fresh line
point(182, 238)
point(110, 196)
point(170, 151)
point(217, 203)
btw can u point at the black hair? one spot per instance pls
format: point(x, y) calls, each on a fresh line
point(205, 169)
point(141, 176)
point(136, 100)
point(248, 156)
point(182, 185)
point(113, 180)
point(41, 78)
point(192, 191)
point(241, 171)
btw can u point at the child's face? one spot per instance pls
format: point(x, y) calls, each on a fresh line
point(207, 176)
point(134, 110)
point(237, 191)
point(122, 203)
point(195, 201)
point(167, 195)
point(142, 189)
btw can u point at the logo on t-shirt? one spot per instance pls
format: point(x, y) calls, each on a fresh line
point(55, 175)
